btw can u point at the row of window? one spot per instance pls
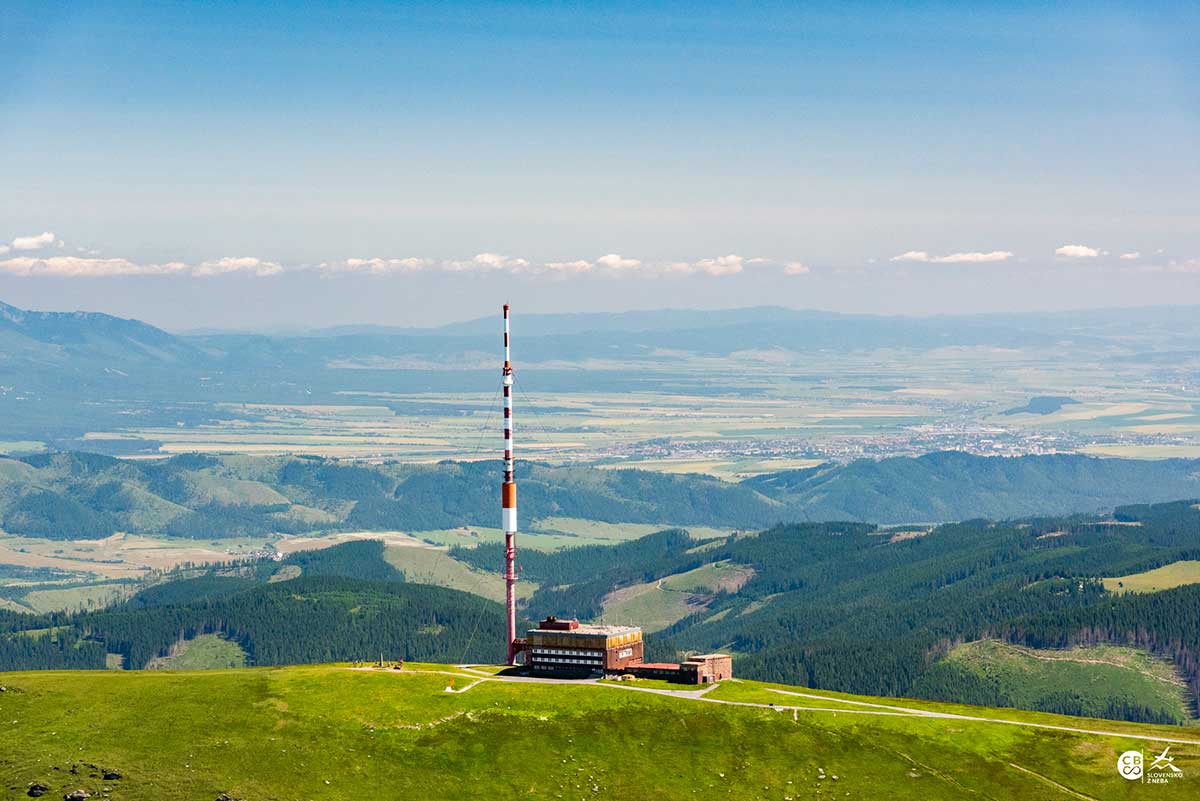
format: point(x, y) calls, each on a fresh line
point(560, 661)
point(570, 652)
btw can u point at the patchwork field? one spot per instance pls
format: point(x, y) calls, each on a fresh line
point(97, 573)
point(735, 416)
point(553, 533)
point(443, 732)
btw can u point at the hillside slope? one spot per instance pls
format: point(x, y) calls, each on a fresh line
point(852, 607)
point(327, 733)
point(89, 496)
point(949, 485)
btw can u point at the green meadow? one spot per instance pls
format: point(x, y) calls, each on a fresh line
point(333, 732)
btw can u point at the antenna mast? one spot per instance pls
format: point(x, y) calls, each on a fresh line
point(508, 503)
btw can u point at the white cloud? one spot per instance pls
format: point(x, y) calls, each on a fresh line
point(721, 265)
point(485, 262)
point(375, 266)
point(975, 257)
point(76, 267)
point(85, 267)
point(911, 255)
point(238, 264)
point(970, 257)
point(37, 242)
point(568, 267)
point(1077, 252)
point(613, 261)
point(1132, 255)
point(88, 264)
point(489, 261)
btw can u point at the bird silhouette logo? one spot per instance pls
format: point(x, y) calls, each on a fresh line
point(1164, 762)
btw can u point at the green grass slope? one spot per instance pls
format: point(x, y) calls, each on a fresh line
point(205, 652)
point(327, 733)
point(1098, 680)
point(1176, 574)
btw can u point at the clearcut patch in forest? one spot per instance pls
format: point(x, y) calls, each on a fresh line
point(654, 605)
point(1176, 574)
point(1091, 680)
point(204, 652)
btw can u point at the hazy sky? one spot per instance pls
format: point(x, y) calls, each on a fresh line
point(278, 164)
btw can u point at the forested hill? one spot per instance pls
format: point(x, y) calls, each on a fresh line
point(330, 613)
point(950, 485)
point(852, 607)
point(89, 496)
point(842, 606)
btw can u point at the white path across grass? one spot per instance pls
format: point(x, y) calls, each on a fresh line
point(871, 708)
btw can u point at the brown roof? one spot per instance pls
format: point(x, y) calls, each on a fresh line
point(591, 629)
point(654, 666)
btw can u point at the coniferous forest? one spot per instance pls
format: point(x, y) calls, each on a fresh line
point(840, 606)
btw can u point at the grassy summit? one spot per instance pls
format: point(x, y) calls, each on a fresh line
point(331, 732)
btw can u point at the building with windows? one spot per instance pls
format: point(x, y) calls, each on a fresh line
point(570, 649)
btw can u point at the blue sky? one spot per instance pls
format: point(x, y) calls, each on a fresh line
point(266, 164)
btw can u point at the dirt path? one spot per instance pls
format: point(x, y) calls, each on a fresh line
point(953, 716)
point(1053, 783)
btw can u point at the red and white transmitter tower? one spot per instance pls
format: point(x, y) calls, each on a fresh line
point(508, 511)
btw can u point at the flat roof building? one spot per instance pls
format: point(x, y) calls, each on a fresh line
point(568, 648)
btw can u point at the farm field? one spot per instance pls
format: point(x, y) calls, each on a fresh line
point(1175, 574)
point(113, 568)
point(122, 555)
point(330, 732)
point(755, 415)
point(553, 533)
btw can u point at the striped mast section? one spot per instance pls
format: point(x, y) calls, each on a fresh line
point(508, 503)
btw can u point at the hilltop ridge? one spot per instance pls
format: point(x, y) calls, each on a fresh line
point(453, 732)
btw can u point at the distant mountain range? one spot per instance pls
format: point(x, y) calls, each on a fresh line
point(63, 337)
point(559, 336)
point(64, 373)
